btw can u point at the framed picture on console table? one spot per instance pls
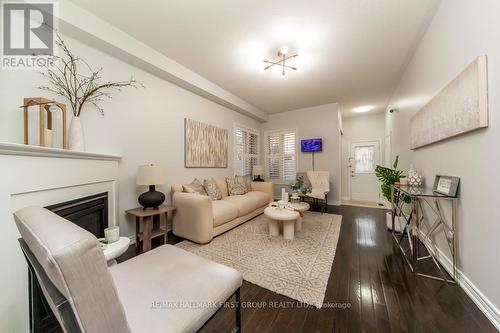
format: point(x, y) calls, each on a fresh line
point(447, 185)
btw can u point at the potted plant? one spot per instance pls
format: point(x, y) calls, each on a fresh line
point(73, 78)
point(300, 186)
point(389, 177)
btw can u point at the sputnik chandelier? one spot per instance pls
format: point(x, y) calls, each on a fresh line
point(283, 57)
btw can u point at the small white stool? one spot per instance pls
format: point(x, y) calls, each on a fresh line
point(286, 216)
point(114, 250)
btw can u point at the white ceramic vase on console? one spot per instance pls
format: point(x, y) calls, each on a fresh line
point(76, 139)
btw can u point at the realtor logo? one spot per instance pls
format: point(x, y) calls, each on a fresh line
point(27, 35)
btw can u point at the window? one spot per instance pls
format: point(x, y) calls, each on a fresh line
point(281, 159)
point(246, 150)
point(364, 161)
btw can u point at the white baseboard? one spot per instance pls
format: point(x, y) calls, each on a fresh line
point(482, 302)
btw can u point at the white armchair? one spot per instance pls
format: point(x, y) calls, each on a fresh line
point(88, 296)
point(320, 183)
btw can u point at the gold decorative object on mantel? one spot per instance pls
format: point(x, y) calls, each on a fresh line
point(45, 127)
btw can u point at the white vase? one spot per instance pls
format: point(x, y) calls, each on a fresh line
point(76, 140)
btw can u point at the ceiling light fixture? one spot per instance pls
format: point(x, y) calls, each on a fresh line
point(364, 108)
point(283, 57)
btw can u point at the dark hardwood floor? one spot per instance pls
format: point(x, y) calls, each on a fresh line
point(371, 280)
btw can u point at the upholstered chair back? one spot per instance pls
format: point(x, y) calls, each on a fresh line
point(72, 259)
point(320, 180)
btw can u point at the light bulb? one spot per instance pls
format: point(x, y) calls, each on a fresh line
point(284, 49)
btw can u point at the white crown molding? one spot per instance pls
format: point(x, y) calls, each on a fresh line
point(28, 150)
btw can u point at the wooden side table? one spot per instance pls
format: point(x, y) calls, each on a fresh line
point(150, 226)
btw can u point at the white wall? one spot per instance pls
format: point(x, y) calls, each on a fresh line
point(355, 129)
point(460, 31)
point(144, 125)
point(315, 122)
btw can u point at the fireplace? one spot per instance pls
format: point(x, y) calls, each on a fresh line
point(90, 213)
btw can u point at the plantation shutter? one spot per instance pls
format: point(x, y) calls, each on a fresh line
point(281, 160)
point(246, 150)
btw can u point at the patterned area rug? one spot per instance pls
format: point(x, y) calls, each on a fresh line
point(298, 269)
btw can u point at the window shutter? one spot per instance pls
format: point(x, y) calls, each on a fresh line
point(281, 161)
point(246, 150)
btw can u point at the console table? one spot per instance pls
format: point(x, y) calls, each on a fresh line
point(150, 220)
point(413, 228)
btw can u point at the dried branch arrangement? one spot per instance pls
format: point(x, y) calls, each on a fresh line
point(67, 79)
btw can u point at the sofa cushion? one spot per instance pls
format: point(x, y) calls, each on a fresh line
point(223, 211)
point(261, 199)
point(194, 187)
point(244, 203)
point(221, 182)
point(245, 181)
point(234, 187)
point(171, 290)
point(212, 189)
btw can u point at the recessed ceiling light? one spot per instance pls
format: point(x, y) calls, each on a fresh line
point(364, 108)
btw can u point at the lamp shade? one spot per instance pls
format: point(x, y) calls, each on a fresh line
point(258, 170)
point(150, 175)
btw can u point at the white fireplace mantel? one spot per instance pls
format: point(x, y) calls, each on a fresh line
point(7, 148)
point(32, 175)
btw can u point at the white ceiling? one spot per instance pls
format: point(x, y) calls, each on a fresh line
point(350, 51)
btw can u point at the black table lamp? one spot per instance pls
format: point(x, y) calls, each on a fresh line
point(151, 175)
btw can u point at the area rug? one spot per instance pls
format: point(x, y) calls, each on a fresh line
point(297, 268)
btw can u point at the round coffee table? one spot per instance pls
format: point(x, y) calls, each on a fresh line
point(285, 216)
point(300, 207)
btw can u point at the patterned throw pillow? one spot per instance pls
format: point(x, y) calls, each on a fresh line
point(194, 187)
point(235, 188)
point(245, 180)
point(212, 189)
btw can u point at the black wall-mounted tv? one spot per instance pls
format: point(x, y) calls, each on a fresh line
point(311, 145)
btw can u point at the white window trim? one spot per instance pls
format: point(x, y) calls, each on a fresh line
point(250, 130)
point(266, 166)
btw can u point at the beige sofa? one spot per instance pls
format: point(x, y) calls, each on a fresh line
point(199, 218)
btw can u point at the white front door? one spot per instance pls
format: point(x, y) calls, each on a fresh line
point(364, 157)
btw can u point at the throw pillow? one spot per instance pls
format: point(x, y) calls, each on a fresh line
point(235, 188)
point(194, 187)
point(212, 189)
point(245, 181)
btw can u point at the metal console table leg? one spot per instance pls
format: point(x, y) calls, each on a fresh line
point(413, 229)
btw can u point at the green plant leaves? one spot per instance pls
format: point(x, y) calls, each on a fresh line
point(389, 177)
